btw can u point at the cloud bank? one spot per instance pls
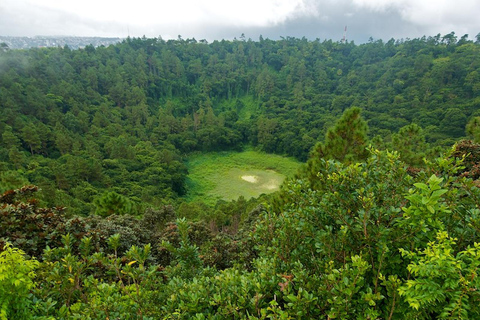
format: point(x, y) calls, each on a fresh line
point(213, 19)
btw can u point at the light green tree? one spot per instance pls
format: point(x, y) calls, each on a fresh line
point(16, 281)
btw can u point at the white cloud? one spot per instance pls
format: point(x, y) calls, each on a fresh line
point(179, 12)
point(215, 19)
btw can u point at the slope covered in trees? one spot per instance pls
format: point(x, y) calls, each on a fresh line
point(121, 118)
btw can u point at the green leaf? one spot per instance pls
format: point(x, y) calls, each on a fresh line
point(421, 186)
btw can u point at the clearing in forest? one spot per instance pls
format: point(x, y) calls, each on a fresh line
point(228, 175)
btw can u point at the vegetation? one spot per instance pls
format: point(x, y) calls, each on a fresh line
point(382, 221)
point(370, 241)
point(122, 118)
point(228, 175)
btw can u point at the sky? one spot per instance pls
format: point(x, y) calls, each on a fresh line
point(229, 19)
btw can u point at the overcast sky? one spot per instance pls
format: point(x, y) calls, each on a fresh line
point(226, 19)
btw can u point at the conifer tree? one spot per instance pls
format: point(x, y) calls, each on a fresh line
point(345, 142)
point(473, 129)
point(9, 139)
point(410, 143)
point(112, 203)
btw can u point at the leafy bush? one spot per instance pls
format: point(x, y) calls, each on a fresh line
point(16, 283)
point(27, 226)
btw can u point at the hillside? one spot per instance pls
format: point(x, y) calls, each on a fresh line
point(79, 122)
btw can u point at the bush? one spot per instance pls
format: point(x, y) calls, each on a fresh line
point(16, 282)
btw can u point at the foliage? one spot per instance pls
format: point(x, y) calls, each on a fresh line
point(346, 141)
point(80, 123)
point(469, 151)
point(473, 129)
point(186, 257)
point(16, 282)
point(112, 203)
point(355, 214)
point(370, 241)
point(27, 226)
point(443, 285)
point(96, 285)
point(410, 143)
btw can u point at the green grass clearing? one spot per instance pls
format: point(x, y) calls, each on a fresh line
point(228, 175)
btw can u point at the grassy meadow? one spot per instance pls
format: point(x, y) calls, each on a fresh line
point(228, 175)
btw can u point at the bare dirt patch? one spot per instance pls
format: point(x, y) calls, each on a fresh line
point(271, 185)
point(251, 179)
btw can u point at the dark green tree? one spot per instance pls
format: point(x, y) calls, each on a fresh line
point(473, 129)
point(410, 143)
point(112, 203)
point(31, 137)
point(9, 139)
point(346, 141)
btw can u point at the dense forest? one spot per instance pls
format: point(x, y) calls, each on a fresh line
point(381, 222)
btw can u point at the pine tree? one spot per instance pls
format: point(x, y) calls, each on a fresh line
point(345, 142)
point(473, 129)
point(410, 143)
point(112, 203)
point(9, 139)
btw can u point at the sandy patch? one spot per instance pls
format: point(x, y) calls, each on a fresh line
point(251, 179)
point(271, 185)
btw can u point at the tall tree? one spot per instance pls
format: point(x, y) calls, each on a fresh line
point(31, 138)
point(410, 143)
point(345, 142)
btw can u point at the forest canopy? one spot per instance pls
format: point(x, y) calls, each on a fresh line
point(122, 118)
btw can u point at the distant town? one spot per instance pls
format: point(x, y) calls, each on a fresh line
point(56, 41)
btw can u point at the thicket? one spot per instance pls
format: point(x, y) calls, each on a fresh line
point(371, 241)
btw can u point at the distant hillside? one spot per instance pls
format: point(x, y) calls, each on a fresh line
point(56, 41)
point(124, 117)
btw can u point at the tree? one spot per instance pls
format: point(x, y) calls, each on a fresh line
point(31, 138)
point(473, 129)
point(346, 141)
point(16, 157)
point(16, 281)
point(410, 143)
point(454, 122)
point(443, 281)
point(9, 139)
point(112, 203)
